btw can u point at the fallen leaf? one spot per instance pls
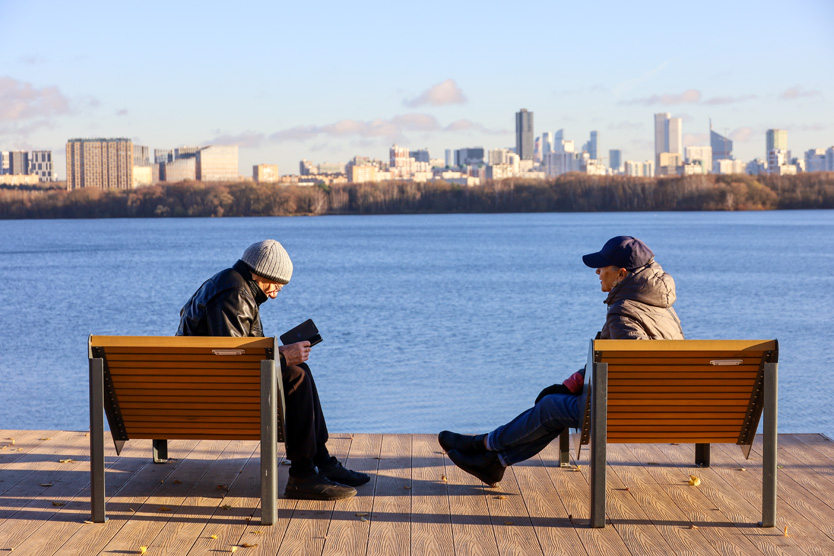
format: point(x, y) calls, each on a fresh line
point(780, 467)
point(45, 438)
point(694, 481)
point(360, 514)
point(693, 526)
point(213, 536)
point(11, 441)
point(222, 487)
point(363, 519)
point(46, 484)
point(257, 532)
point(501, 497)
point(86, 521)
point(742, 469)
point(177, 482)
point(786, 531)
point(131, 509)
point(226, 507)
point(59, 504)
point(66, 461)
point(443, 478)
point(508, 523)
point(406, 487)
point(674, 443)
point(163, 509)
point(143, 549)
point(247, 545)
point(234, 549)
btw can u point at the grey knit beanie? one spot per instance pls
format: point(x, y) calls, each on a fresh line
point(270, 260)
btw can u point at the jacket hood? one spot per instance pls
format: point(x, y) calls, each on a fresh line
point(649, 284)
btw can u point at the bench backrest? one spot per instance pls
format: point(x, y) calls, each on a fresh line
point(169, 387)
point(698, 391)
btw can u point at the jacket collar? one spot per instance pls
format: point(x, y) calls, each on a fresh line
point(259, 295)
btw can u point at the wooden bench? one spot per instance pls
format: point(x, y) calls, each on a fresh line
point(681, 391)
point(180, 387)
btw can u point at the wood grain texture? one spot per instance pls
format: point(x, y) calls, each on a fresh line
point(539, 508)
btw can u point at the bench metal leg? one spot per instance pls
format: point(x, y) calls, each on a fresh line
point(599, 434)
point(269, 443)
point(160, 451)
point(769, 459)
point(97, 496)
point(702, 455)
point(564, 448)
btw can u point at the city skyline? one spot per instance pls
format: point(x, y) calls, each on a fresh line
point(328, 82)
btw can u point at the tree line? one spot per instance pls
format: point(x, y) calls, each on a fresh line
point(568, 193)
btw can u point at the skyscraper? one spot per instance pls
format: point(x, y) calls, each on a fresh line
point(100, 163)
point(615, 159)
point(668, 137)
point(217, 163)
point(524, 142)
point(722, 148)
point(776, 139)
point(592, 146)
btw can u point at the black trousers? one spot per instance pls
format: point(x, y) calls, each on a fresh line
point(305, 426)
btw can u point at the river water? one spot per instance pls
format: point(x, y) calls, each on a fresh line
point(429, 321)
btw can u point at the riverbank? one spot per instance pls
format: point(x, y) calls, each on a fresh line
point(568, 193)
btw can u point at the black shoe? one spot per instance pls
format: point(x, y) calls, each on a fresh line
point(335, 471)
point(463, 443)
point(484, 466)
point(316, 487)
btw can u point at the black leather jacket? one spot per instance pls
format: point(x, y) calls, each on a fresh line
point(227, 304)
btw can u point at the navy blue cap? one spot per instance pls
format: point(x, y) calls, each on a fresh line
point(622, 251)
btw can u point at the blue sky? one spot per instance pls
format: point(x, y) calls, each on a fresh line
point(328, 80)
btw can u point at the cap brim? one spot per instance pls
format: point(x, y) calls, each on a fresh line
point(595, 260)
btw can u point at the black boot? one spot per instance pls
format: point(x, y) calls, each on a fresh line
point(485, 466)
point(335, 471)
point(463, 443)
point(316, 487)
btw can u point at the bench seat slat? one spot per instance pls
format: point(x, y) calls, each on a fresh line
point(193, 436)
point(165, 406)
point(121, 358)
point(178, 385)
point(155, 371)
point(172, 366)
point(143, 412)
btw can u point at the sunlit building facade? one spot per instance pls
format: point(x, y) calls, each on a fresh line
point(100, 163)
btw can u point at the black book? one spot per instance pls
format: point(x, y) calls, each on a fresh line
point(305, 331)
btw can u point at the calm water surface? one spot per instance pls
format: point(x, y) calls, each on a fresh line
point(429, 321)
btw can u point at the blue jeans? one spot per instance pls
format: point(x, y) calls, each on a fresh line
point(529, 433)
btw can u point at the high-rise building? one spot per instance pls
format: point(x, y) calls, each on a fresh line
point(420, 155)
point(776, 139)
point(100, 163)
point(180, 169)
point(163, 156)
point(141, 155)
point(722, 147)
point(524, 134)
point(186, 152)
point(615, 159)
point(547, 143)
point(472, 156)
point(592, 146)
point(19, 163)
point(701, 156)
point(450, 158)
point(668, 137)
point(40, 164)
point(217, 163)
point(4, 163)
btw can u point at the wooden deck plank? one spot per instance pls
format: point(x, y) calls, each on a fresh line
point(348, 532)
point(547, 506)
point(554, 531)
point(390, 530)
point(673, 475)
point(431, 523)
point(511, 521)
point(743, 507)
point(812, 532)
point(204, 501)
point(471, 525)
point(661, 510)
point(574, 491)
point(310, 519)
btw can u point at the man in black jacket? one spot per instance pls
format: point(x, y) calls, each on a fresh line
point(227, 304)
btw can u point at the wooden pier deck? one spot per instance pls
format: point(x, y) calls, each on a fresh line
point(205, 501)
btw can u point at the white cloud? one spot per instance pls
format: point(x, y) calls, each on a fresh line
point(797, 92)
point(441, 94)
point(22, 101)
point(690, 96)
